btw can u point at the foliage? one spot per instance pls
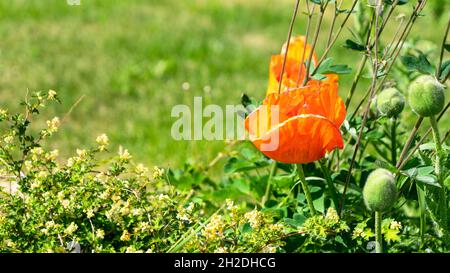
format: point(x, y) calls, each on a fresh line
point(243, 201)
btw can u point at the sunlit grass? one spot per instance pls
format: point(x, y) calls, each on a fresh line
point(130, 58)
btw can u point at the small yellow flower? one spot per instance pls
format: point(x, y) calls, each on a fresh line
point(230, 204)
point(65, 203)
point(254, 217)
point(37, 151)
point(103, 141)
point(71, 229)
point(126, 236)
point(8, 139)
point(51, 94)
point(99, 233)
point(395, 225)
point(90, 213)
point(42, 174)
point(3, 113)
point(53, 125)
point(157, 172)
point(124, 155)
point(332, 215)
point(141, 169)
point(81, 153)
point(35, 184)
point(222, 249)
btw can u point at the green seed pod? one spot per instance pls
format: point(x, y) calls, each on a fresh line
point(426, 96)
point(380, 192)
point(390, 102)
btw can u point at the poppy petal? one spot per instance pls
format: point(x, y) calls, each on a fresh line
point(300, 139)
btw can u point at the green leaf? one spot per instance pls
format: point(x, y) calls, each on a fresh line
point(428, 179)
point(249, 103)
point(284, 181)
point(236, 165)
point(400, 2)
point(296, 220)
point(445, 70)
point(420, 63)
point(246, 228)
point(354, 45)
point(327, 67)
point(422, 175)
point(447, 47)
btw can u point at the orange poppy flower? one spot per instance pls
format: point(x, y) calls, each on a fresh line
point(295, 60)
point(300, 125)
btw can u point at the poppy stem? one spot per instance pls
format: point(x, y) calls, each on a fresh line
point(308, 28)
point(273, 170)
point(378, 236)
point(394, 141)
point(438, 171)
point(411, 137)
point(323, 7)
point(331, 188)
point(302, 178)
point(291, 27)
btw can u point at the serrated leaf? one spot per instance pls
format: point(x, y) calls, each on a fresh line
point(428, 179)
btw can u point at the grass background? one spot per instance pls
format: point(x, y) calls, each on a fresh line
point(130, 58)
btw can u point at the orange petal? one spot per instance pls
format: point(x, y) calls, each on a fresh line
point(318, 98)
point(296, 49)
point(300, 139)
point(291, 74)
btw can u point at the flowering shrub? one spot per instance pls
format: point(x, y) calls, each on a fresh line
point(95, 202)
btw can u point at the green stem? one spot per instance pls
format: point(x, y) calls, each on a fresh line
point(378, 236)
point(302, 178)
point(438, 171)
point(394, 141)
point(273, 169)
point(356, 79)
point(331, 188)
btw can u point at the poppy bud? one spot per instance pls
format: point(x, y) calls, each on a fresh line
point(374, 113)
point(426, 96)
point(390, 102)
point(380, 192)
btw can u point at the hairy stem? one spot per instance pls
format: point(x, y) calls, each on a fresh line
point(316, 37)
point(438, 171)
point(366, 112)
point(441, 56)
point(273, 169)
point(331, 43)
point(408, 143)
point(378, 236)
point(291, 27)
point(308, 29)
point(356, 80)
point(331, 188)
point(302, 178)
point(394, 141)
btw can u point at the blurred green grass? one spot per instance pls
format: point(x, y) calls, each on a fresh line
point(130, 59)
